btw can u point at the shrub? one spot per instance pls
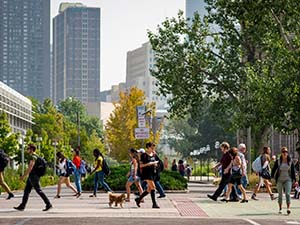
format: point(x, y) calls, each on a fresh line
point(117, 179)
point(12, 178)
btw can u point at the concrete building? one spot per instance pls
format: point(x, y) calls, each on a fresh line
point(25, 46)
point(101, 110)
point(139, 63)
point(17, 107)
point(76, 53)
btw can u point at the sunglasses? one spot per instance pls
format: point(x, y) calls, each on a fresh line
point(284, 152)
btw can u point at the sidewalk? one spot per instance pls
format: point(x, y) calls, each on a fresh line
point(193, 204)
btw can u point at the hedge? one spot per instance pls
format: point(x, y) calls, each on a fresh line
point(117, 179)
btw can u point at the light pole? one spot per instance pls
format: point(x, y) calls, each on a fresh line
point(217, 146)
point(207, 150)
point(54, 164)
point(39, 140)
point(21, 141)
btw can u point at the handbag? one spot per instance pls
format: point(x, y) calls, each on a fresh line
point(265, 173)
point(236, 174)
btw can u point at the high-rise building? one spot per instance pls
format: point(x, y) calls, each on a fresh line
point(25, 46)
point(139, 63)
point(192, 6)
point(76, 53)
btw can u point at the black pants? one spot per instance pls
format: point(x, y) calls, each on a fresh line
point(33, 181)
point(224, 181)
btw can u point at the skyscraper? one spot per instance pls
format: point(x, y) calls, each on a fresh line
point(76, 53)
point(25, 46)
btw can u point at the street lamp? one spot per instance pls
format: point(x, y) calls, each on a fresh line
point(207, 150)
point(54, 167)
point(217, 146)
point(39, 140)
point(21, 141)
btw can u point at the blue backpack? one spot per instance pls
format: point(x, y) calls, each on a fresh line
point(70, 167)
point(82, 168)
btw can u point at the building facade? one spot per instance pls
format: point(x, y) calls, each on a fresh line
point(17, 107)
point(25, 46)
point(76, 53)
point(139, 63)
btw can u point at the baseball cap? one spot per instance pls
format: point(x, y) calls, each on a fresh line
point(141, 150)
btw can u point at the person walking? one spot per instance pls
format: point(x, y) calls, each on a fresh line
point(4, 159)
point(241, 153)
point(174, 165)
point(225, 162)
point(284, 174)
point(64, 176)
point(148, 165)
point(33, 181)
point(159, 169)
point(99, 174)
point(77, 174)
point(134, 174)
point(265, 175)
point(237, 170)
point(181, 167)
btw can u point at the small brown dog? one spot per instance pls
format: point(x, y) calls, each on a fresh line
point(117, 199)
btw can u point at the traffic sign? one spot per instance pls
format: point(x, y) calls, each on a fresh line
point(141, 133)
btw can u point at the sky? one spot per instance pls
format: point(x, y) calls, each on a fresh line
point(124, 25)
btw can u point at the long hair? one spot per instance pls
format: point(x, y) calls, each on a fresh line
point(97, 153)
point(60, 156)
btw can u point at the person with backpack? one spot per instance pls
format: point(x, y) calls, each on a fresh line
point(4, 159)
point(65, 169)
point(99, 172)
point(134, 174)
point(33, 180)
point(284, 174)
point(77, 175)
point(264, 173)
point(181, 167)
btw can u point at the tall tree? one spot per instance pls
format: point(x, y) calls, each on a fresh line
point(122, 122)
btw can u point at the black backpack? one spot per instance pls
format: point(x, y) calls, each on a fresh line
point(105, 167)
point(40, 166)
point(4, 159)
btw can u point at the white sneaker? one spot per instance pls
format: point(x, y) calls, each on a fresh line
point(280, 211)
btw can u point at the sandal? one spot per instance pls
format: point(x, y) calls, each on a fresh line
point(127, 200)
point(57, 196)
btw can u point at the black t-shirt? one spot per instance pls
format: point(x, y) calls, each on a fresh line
point(148, 172)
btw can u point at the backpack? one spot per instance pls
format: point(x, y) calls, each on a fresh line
point(40, 166)
point(70, 167)
point(82, 167)
point(256, 165)
point(4, 159)
point(105, 167)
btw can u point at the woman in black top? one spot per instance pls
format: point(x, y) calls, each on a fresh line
point(148, 164)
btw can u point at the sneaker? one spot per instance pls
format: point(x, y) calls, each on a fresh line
point(161, 196)
point(20, 208)
point(155, 207)
point(78, 195)
point(137, 201)
point(57, 196)
point(280, 211)
point(254, 197)
point(10, 195)
point(273, 197)
point(244, 201)
point(47, 207)
point(212, 197)
point(127, 200)
point(93, 196)
point(288, 211)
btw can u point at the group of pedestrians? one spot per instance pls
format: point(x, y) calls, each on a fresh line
point(234, 177)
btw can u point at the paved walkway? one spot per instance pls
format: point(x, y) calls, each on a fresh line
point(193, 204)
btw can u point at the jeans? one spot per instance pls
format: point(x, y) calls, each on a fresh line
point(33, 181)
point(286, 186)
point(99, 177)
point(244, 181)
point(77, 176)
point(159, 188)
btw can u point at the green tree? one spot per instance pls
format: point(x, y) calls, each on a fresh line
point(8, 140)
point(233, 65)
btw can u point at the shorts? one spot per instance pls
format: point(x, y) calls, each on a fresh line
point(131, 179)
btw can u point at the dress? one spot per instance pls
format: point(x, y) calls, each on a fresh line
point(148, 172)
